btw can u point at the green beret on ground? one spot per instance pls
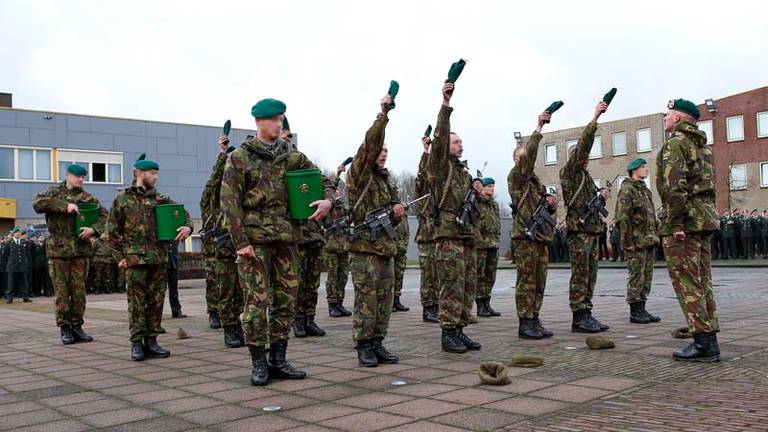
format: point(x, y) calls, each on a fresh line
point(181, 334)
point(686, 106)
point(608, 97)
point(599, 342)
point(681, 333)
point(455, 71)
point(394, 88)
point(527, 361)
point(227, 127)
point(488, 181)
point(493, 373)
point(146, 165)
point(267, 108)
point(286, 125)
point(77, 170)
point(554, 106)
point(635, 164)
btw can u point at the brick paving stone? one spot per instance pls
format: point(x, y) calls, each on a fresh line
point(92, 407)
point(217, 414)
point(368, 421)
point(55, 426)
point(478, 418)
point(320, 412)
point(571, 393)
point(70, 399)
point(472, 396)
point(423, 389)
point(607, 383)
point(528, 406)
point(160, 424)
point(29, 418)
point(425, 426)
point(374, 400)
point(187, 404)
point(423, 408)
point(287, 401)
point(261, 423)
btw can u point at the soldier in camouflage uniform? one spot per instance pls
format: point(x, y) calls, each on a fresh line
point(578, 189)
point(311, 257)
point(68, 252)
point(764, 233)
point(254, 201)
point(487, 245)
point(401, 261)
point(638, 231)
point(101, 266)
point(337, 257)
point(686, 183)
point(425, 239)
point(372, 260)
point(527, 193)
point(132, 235)
point(212, 266)
point(454, 249)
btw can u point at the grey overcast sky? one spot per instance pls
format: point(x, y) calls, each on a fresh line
point(331, 61)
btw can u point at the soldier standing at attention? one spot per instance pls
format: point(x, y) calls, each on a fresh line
point(337, 256)
point(68, 251)
point(212, 265)
point(311, 256)
point(401, 261)
point(578, 189)
point(487, 244)
point(686, 183)
point(132, 235)
point(638, 229)
point(254, 201)
point(425, 239)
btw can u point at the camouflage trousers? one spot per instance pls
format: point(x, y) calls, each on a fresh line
point(230, 291)
point(487, 264)
point(401, 261)
point(427, 285)
point(456, 270)
point(270, 284)
point(68, 276)
point(338, 269)
point(583, 250)
point(532, 261)
point(211, 285)
point(311, 258)
point(373, 277)
point(146, 294)
point(689, 264)
point(640, 265)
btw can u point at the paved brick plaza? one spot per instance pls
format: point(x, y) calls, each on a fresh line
point(45, 386)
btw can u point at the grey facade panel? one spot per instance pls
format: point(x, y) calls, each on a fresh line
point(34, 120)
point(14, 135)
point(88, 141)
point(42, 137)
point(118, 126)
point(78, 123)
point(7, 117)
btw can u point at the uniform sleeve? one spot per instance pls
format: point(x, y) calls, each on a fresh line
point(368, 152)
point(676, 181)
point(623, 216)
point(101, 222)
point(583, 148)
point(530, 152)
point(441, 145)
point(206, 199)
point(231, 199)
point(114, 230)
point(48, 201)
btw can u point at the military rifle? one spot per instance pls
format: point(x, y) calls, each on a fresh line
point(540, 216)
point(379, 219)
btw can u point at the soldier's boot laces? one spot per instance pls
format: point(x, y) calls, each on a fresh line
point(490, 309)
point(66, 335)
point(527, 330)
point(451, 343)
point(344, 311)
point(704, 349)
point(334, 311)
point(382, 354)
point(539, 327)
point(260, 371)
point(365, 355)
point(231, 338)
point(137, 351)
point(214, 321)
point(583, 324)
point(429, 314)
point(603, 327)
point(397, 306)
point(652, 318)
point(482, 310)
point(279, 366)
point(80, 335)
point(312, 328)
point(153, 349)
point(299, 327)
point(636, 315)
point(469, 343)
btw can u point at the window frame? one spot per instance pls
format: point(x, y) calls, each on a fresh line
point(728, 128)
point(599, 156)
point(80, 158)
point(731, 181)
point(546, 161)
point(710, 139)
point(637, 140)
point(613, 146)
point(763, 181)
point(757, 122)
point(34, 150)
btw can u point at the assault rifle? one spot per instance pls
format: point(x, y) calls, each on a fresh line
point(377, 220)
point(539, 217)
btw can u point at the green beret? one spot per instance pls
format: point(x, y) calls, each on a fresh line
point(686, 106)
point(146, 165)
point(15, 230)
point(286, 125)
point(77, 170)
point(635, 164)
point(230, 149)
point(267, 108)
point(488, 181)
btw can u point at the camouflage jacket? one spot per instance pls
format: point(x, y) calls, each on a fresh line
point(254, 200)
point(337, 242)
point(449, 179)
point(101, 252)
point(489, 225)
point(210, 209)
point(579, 187)
point(132, 227)
point(686, 182)
point(636, 215)
point(403, 236)
point(63, 242)
point(369, 188)
point(526, 192)
point(310, 234)
point(424, 209)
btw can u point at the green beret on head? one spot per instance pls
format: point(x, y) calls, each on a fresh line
point(686, 106)
point(488, 181)
point(15, 230)
point(635, 164)
point(144, 164)
point(286, 125)
point(267, 108)
point(77, 170)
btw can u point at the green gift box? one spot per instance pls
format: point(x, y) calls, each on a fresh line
point(89, 214)
point(170, 217)
point(304, 187)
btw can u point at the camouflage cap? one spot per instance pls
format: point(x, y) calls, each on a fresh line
point(267, 108)
point(77, 170)
point(686, 106)
point(635, 164)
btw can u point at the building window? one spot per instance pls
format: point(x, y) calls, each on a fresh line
point(25, 164)
point(706, 127)
point(739, 177)
point(643, 140)
point(551, 189)
point(597, 183)
point(763, 174)
point(619, 143)
point(569, 144)
point(620, 180)
point(735, 127)
point(762, 125)
point(597, 148)
point(550, 154)
point(103, 167)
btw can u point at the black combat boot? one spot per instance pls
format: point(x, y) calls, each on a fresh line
point(603, 327)
point(344, 310)
point(137, 351)
point(153, 349)
point(231, 338)
point(527, 330)
point(382, 355)
point(66, 335)
point(704, 349)
point(450, 342)
point(651, 318)
point(279, 366)
point(469, 343)
point(429, 314)
point(214, 321)
point(176, 313)
point(334, 311)
point(365, 355)
point(490, 309)
point(299, 327)
point(260, 371)
point(636, 315)
point(397, 306)
point(240, 335)
point(80, 335)
point(161, 329)
point(583, 324)
point(312, 328)
point(539, 327)
point(482, 309)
